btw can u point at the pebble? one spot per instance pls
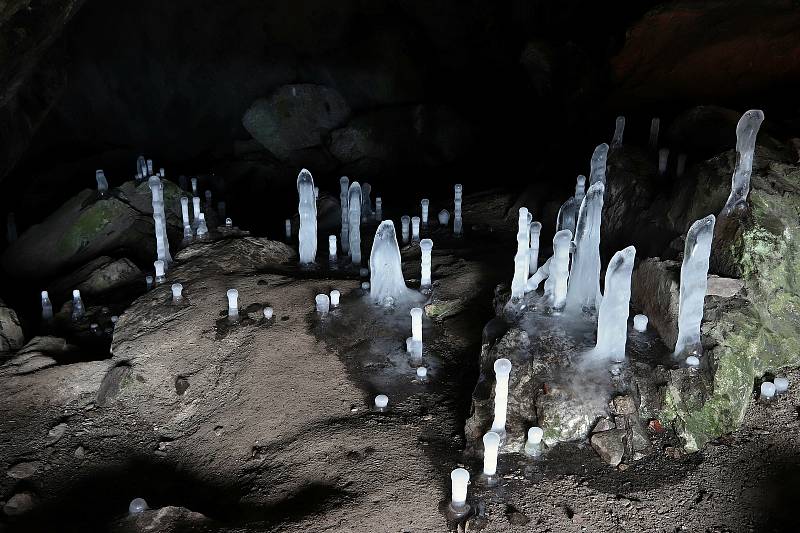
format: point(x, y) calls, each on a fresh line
point(20, 503)
point(55, 434)
point(24, 470)
point(80, 453)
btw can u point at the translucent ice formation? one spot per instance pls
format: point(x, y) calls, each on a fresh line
point(195, 212)
point(535, 230)
point(141, 166)
point(102, 182)
point(177, 292)
point(354, 222)
point(584, 288)
point(612, 318)
point(405, 224)
point(47, 307)
point(208, 199)
point(522, 256)
point(158, 265)
point(415, 229)
point(444, 217)
point(161, 172)
point(385, 268)
point(148, 280)
point(335, 295)
point(457, 221)
point(323, 303)
point(137, 505)
point(694, 281)
point(268, 313)
point(502, 371)
point(228, 223)
point(288, 226)
point(640, 323)
point(555, 287)
point(781, 384)
point(316, 193)
point(597, 171)
point(425, 204)
point(692, 361)
point(194, 187)
point(202, 227)
point(233, 304)
point(767, 390)
point(580, 189)
point(568, 215)
point(308, 218)
point(663, 161)
point(422, 373)
point(459, 479)
point(416, 332)
point(365, 286)
point(655, 124)
point(366, 201)
point(426, 245)
point(381, 402)
point(149, 167)
point(491, 445)
point(541, 274)
point(378, 208)
point(78, 310)
point(344, 185)
point(160, 219)
point(332, 248)
point(619, 130)
point(533, 446)
point(746, 133)
point(187, 225)
point(680, 166)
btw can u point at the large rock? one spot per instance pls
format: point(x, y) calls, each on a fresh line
point(295, 118)
point(98, 276)
point(11, 335)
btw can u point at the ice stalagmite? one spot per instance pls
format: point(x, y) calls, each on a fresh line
point(308, 218)
point(568, 215)
point(354, 222)
point(533, 253)
point(541, 274)
point(102, 182)
point(694, 281)
point(160, 219)
point(584, 287)
point(344, 184)
point(612, 319)
point(746, 133)
point(521, 258)
point(619, 130)
point(655, 124)
point(387, 285)
point(597, 172)
point(366, 201)
point(580, 189)
point(555, 288)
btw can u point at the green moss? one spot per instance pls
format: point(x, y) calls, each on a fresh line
point(90, 223)
point(443, 308)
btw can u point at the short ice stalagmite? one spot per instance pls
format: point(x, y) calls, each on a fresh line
point(502, 372)
point(385, 267)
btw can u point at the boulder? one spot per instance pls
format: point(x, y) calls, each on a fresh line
point(11, 335)
point(99, 275)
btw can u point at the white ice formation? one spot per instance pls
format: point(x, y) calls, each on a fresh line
point(344, 202)
point(534, 231)
point(694, 281)
point(202, 227)
point(159, 267)
point(268, 312)
point(584, 288)
point(459, 479)
point(233, 304)
point(580, 189)
point(381, 402)
point(422, 373)
point(323, 303)
point(148, 280)
point(767, 390)
point(541, 274)
point(692, 361)
point(444, 217)
point(335, 295)
point(194, 186)
point(555, 287)
point(416, 333)
point(655, 124)
point(228, 223)
point(405, 224)
point(195, 212)
point(663, 161)
point(160, 219)
point(568, 215)
point(425, 245)
point(149, 167)
point(187, 225)
point(354, 222)
point(640, 323)
point(597, 171)
point(47, 307)
point(378, 208)
point(619, 130)
point(458, 222)
point(415, 229)
point(491, 445)
point(612, 318)
point(288, 226)
point(137, 505)
point(102, 182)
point(307, 208)
point(425, 204)
point(781, 384)
point(141, 167)
point(746, 133)
point(533, 446)
point(332, 248)
point(502, 372)
point(522, 257)
point(385, 267)
point(78, 310)
point(177, 292)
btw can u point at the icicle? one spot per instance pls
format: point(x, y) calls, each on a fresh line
point(746, 133)
point(597, 171)
point(555, 288)
point(584, 287)
point(307, 208)
point(694, 281)
point(612, 319)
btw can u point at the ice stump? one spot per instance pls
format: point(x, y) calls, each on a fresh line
point(177, 292)
point(502, 372)
point(533, 446)
point(694, 282)
point(102, 182)
point(385, 267)
point(233, 304)
point(354, 222)
point(584, 288)
point(137, 505)
point(522, 256)
point(47, 307)
point(415, 229)
point(458, 223)
point(444, 217)
point(767, 390)
point(555, 287)
point(746, 133)
point(366, 201)
point(381, 403)
point(612, 318)
point(640, 323)
point(405, 224)
point(491, 446)
point(458, 507)
point(414, 346)
point(424, 204)
point(202, 227)
point(158, 266)
point(307, 208)
point(323, 303)
point(426, 246)
point(335, 295)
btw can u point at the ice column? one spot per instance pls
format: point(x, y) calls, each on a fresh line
point(491, 445)
point(555, 288)
point(568, 215)
point(102, 182)
point(385, 268)
point(195, 212)
point(323, 303)
point(425, 203)
point(141, 166)
point(378, 208)
point(444, 217)
point(366, 201)
point(354, 221)
point(47, 307)
point(521, 258)
point(426, 245)
point(344, 184)
point(78, 311)
point(405, 222)
point(535, 231)
point(177, 292)
point(308, 218)
point(654, 126)
point(542, 273)
point(414, 229)
point(597, 172)
point(335, 295)
point(288, 225)
point(457, 221)
point(640, 323)
point(416, 332)
point(160, 218)
point(694, 281)
point(332, 248)
point(746, 133)
point(459, 479)
point(612, 319)
point(580, 189)
point(619, 130)
point(584, 288)
point(502, 371)
point(158, 265)
point(202, 228)
point(149, 167)
point(233, 304)
point(194, 186)
point(663, 161)
point(533, 446)
point(187, 225)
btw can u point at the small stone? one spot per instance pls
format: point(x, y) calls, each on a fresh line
point(20, 503)
point(674, 453)
point(609, 445)
point(623, 467)
point(655, 426)
point(23, 470)
point(624, 405)
point(604, 424)
point(55, 434)
point(80, 453)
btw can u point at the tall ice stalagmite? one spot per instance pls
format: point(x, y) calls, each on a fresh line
point(612, 319)
point(746, 133)
point(354, 222)
point(694, 281)
point(308, 218)
point(584, 287)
